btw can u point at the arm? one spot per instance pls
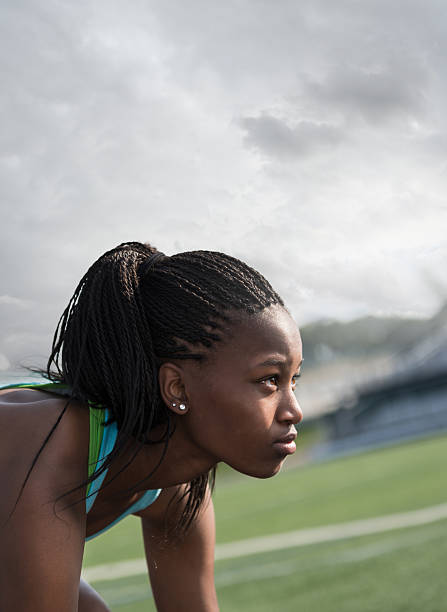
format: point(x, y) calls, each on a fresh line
point(89, 600)
point(181, 568)
point(41, 554)
point(42, 542)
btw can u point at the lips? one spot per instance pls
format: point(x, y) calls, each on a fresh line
point(290, 437)
point(286, 444)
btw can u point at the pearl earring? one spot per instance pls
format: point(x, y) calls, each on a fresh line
point(182, 407)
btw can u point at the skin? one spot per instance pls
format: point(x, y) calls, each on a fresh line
point(240, 402)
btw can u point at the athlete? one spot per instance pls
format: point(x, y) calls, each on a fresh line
point(161, 367)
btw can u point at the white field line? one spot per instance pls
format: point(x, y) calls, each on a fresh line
point(291, 539)
point(262, 571)
point(119, 593)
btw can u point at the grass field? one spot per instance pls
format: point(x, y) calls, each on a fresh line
point(398, 570)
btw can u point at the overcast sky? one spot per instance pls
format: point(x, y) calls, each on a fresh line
point(307, 138)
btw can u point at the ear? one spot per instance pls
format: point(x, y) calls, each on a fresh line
point(172, 387)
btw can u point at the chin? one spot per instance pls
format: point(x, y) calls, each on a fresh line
point(264, 472)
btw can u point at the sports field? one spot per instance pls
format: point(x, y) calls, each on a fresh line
point(390, 568)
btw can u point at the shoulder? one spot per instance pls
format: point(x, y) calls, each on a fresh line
point(26, 419)
point(170, 499)
point(36, 525)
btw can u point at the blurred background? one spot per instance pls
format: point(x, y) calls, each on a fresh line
point(308, 139)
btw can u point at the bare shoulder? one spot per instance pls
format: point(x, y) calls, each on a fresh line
point(164, 515)
point(171, 500)
point(26, 418)
point(42, 539)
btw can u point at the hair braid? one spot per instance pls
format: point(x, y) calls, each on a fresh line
point(120, 325)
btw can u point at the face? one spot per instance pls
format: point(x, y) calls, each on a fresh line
point(241, 403)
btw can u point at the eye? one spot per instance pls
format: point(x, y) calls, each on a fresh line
point(273, 381)
point(295, 381)
point(270, 381)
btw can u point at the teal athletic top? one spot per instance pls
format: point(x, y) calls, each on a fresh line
point(101, 442)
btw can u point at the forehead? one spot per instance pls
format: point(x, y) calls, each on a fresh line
point(260, 336)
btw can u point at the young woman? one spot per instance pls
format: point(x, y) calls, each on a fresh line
point(161, 367)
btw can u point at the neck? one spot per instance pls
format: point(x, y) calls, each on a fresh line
point(181, 462)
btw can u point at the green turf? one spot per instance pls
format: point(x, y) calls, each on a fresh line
point(399, 478)
point(396, 571)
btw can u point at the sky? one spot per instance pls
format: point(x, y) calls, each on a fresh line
point(306, 138)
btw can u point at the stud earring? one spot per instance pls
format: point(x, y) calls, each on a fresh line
point(182, 407)
point(173, 404)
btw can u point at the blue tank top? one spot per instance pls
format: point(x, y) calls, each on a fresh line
point(108, 442)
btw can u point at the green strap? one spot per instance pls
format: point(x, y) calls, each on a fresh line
point(52, 387)
point(95, 441)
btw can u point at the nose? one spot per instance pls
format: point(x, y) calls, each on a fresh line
point(290, 410)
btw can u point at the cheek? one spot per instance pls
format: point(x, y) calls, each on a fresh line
point(230, 417)
point(217, 410)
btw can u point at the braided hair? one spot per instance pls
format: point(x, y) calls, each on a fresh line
point(132, 311)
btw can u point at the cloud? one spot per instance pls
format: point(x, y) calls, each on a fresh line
point(4, 362)
point(377, 94)
point(309, 141)
point(10, 300)
point(277, 138)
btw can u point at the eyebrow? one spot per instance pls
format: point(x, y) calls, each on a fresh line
point(276, 362)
